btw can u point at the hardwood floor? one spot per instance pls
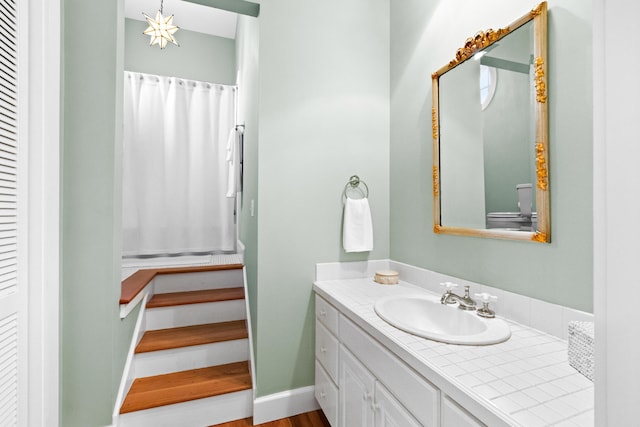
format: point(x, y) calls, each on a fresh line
point(309, 419)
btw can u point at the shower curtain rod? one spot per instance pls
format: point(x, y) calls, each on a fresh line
point(142, 76)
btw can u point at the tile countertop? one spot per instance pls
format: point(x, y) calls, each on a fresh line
point(524, 381)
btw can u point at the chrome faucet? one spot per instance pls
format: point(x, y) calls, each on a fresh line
point(464, 303)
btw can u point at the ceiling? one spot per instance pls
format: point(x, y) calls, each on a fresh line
point(188, 16)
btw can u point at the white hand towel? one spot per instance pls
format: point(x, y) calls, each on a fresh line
point(357, 231)
point(231, 164)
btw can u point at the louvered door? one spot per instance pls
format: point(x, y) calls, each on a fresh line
point(13, 291)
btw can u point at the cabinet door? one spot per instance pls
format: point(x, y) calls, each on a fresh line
point(389, 412)
point(356, 390)
point(454, 416)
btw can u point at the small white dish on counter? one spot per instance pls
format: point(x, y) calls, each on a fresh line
point(423, 315)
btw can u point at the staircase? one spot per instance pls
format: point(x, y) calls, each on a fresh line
point(191, 365)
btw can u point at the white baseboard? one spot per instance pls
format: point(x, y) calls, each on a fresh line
point(284, 404)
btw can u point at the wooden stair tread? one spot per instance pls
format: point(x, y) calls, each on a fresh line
point(163, 339)
point(177, 387)
point(195, 297)
point(135, 283)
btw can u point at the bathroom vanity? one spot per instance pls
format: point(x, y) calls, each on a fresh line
point(368, 373)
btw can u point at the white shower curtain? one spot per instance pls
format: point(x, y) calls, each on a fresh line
point(174, 167)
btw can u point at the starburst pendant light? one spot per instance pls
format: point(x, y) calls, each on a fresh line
point(161, 29)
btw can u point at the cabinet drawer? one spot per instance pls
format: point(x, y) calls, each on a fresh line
point(327, 350)
point(419, 396)
point(326, 394)
point(327, 314)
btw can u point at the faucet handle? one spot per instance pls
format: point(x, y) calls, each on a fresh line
point(485, 311)
point(449, 286)
point(485, 297)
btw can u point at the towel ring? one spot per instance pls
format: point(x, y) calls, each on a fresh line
point(354, 182)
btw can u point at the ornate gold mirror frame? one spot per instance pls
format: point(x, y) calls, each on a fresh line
point(472, 45)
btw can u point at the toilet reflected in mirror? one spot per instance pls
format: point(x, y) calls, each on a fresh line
point(526, 219)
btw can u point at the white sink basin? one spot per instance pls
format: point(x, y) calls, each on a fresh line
point(424, 316)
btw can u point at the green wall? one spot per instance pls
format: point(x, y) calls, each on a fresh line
point(247, 50)
point(324, 116)
point(425, 36)
point(91, 354)
point(200, 56)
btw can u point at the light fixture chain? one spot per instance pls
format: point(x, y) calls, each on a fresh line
point(161, 6)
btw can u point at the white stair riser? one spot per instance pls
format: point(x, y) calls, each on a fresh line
point(193, 357)
point(195, 314)
point(195, 413)
point(182, 282)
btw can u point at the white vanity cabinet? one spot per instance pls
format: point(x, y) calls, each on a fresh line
point(361, 384)
point(384, 376)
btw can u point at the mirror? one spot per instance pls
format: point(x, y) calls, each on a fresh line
point(490, 135)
